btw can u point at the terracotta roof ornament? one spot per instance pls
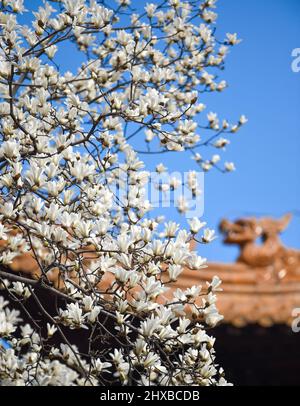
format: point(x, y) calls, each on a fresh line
point(271, 252)
point(263, 285)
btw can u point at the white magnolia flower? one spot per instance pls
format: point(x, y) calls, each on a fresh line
point(197, 157)
point(243, 119)
point(212, 316)
point(196, 225)
point(208, 235)
point(150, 9)
point(3, 231)
point(93, 314)
point(197, 262)
point(215, 159)
point(214, 286)
point(160, 168)
point(182, 205)
point(232, 39)
point(20, 289)
point(101, 367)
point(10, 149)
point(171, 229)
point(174, 271)
point(221, 143)
point(73, 316)
point(51, 330)
point(149, 327)
point(51, 51)
point(229, 166)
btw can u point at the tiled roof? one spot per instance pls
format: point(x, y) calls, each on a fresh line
point(250, 295)
point(262, 287)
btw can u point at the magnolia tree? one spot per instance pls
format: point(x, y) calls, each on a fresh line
point(73, 191)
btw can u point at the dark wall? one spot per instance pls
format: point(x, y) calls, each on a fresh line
point(259, 356)
point(250, 356)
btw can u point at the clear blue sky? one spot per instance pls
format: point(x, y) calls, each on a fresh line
point(267, 150)
point(263, 87)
